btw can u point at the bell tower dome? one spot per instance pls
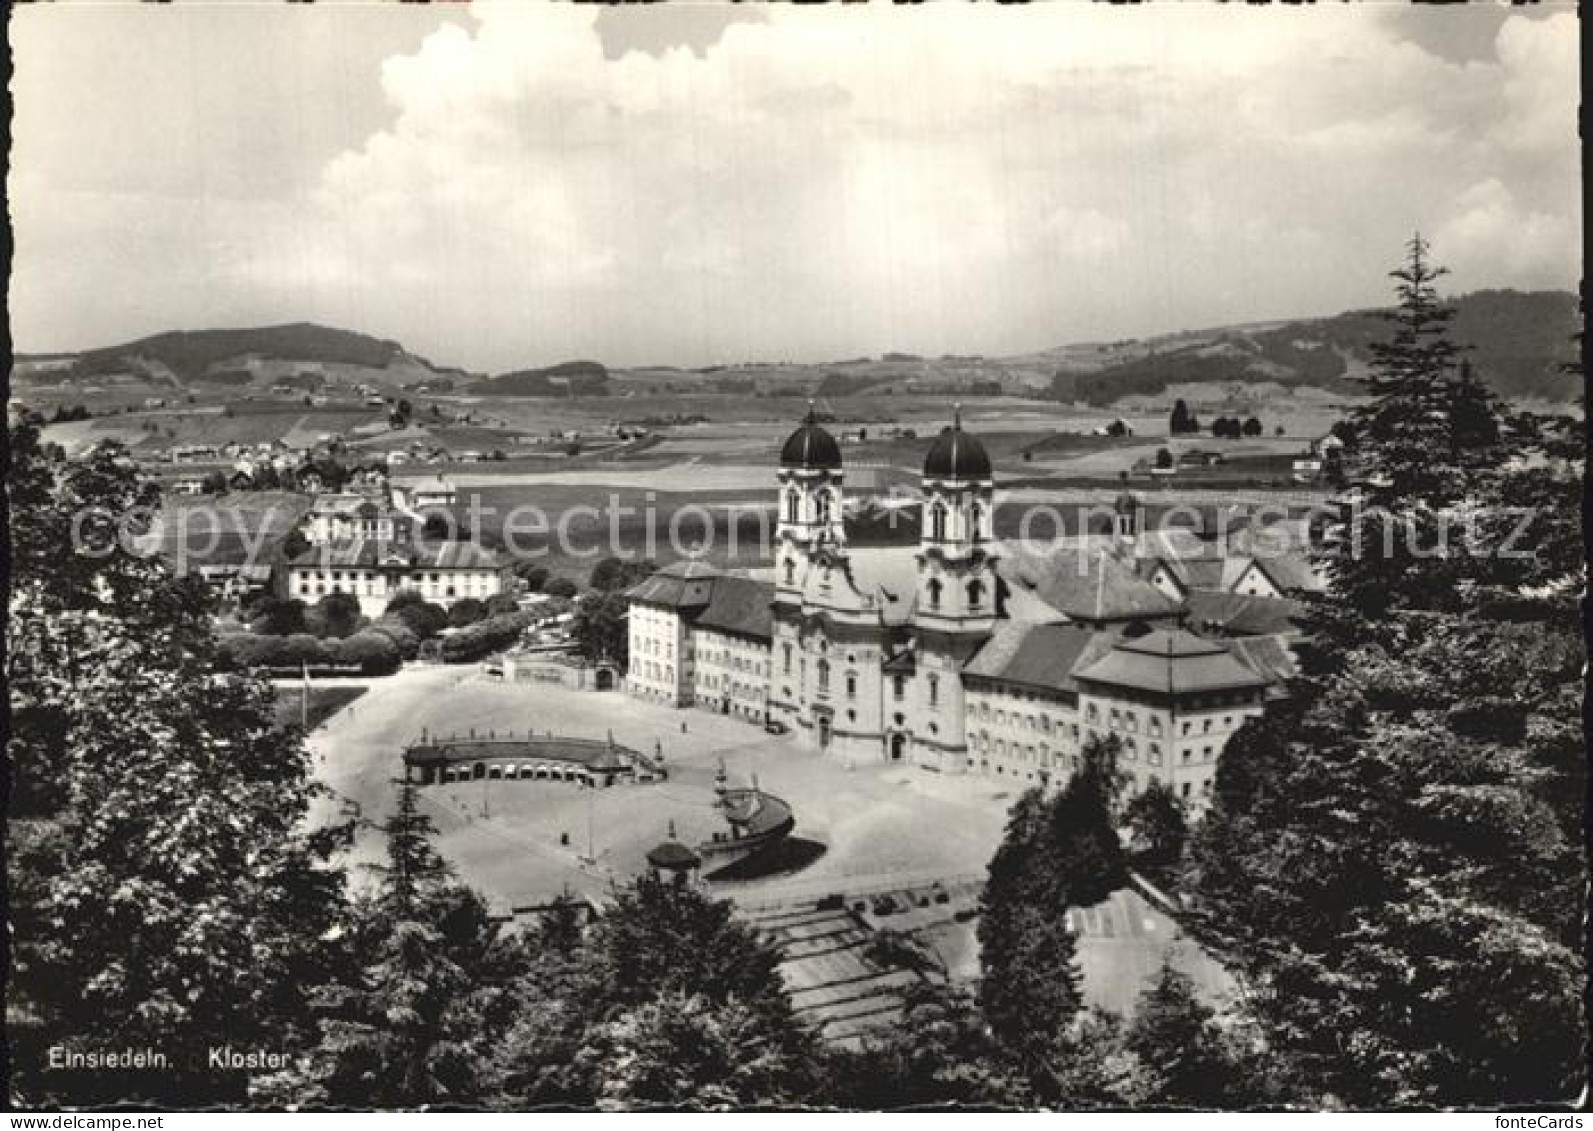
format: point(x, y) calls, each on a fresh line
point(957, 549)
point(810, 500)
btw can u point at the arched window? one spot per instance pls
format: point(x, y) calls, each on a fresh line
point(934, 588)
point(934, 690)
point(975, 521)
point(793, 505)
point(937, 521)
point(898, 686)
point(824, 506)
point(786, 652)
point(790, 571)
point(851, 685)
point(824, 675)
point(976, 592)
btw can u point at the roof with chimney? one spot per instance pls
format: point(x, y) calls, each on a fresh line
point(741, 606)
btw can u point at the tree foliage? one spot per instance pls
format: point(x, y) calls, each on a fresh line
point(1390, 858)
point(160, 894)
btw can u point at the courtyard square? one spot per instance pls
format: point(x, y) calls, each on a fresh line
point(523, 842)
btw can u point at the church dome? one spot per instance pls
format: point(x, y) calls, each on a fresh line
point(811, 446)
point(956, 454)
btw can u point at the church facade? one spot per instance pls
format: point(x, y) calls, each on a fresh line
point(965, 655)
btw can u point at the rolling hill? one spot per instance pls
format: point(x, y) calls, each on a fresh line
point(1520, 341)
point(244, 356)
point(567, 379)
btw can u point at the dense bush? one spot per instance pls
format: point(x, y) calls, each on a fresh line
point(424, 619)
point(533, 576)
point(274, 616)
point(485, 637)
point(466, 611)
point(561, 587)
point(374, 652)
point(336, 614)
point(500, 604)
point(407, 643)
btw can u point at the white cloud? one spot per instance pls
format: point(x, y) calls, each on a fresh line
point(829, 182)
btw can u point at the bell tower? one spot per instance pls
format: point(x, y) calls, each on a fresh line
point(810, 502)
point(957, 550)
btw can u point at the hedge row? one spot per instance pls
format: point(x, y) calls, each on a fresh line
point(485, 637)
point(372, 652)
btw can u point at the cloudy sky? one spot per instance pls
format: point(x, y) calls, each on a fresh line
point(507, 185)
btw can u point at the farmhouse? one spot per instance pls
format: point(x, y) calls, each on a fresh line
point(422, 492)
point(970, 655)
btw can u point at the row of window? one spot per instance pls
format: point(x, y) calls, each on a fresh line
point(1128, 721)
point(658, 673)
point(1043, 723)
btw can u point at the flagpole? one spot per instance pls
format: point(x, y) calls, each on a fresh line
point(304, 696)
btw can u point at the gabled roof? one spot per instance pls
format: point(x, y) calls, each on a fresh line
point(1268, 656)
point(667, 590)
point(1040, 656)
point(1292, 573)
point(739, 605)
point(1171, 662)
point(1084, 584)
point(1234, 614)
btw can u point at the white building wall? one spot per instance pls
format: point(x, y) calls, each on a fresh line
point(1178, 745)
point(1017, 733)
point(660, 660)
point(730, 674)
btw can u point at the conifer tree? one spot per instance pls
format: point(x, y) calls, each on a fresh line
point(659, 942)
point(1058, 853)
point(430, 997)
point(1182, 1057)
point(1426, 439)
point(1389, 860)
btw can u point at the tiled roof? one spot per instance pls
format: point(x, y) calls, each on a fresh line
point(741, 606)
point(1020, 604)
point(669, 586)
point(1234, 614)
point(1084, 584)
point(373, 552)
point(345, 503)
point(1038, 655)
point(890, 576)
point(1269, 656)
point(1291, 573)
point(1171, 662)
point(662, 590)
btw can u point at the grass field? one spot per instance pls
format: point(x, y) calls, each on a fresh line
point(569, 527)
